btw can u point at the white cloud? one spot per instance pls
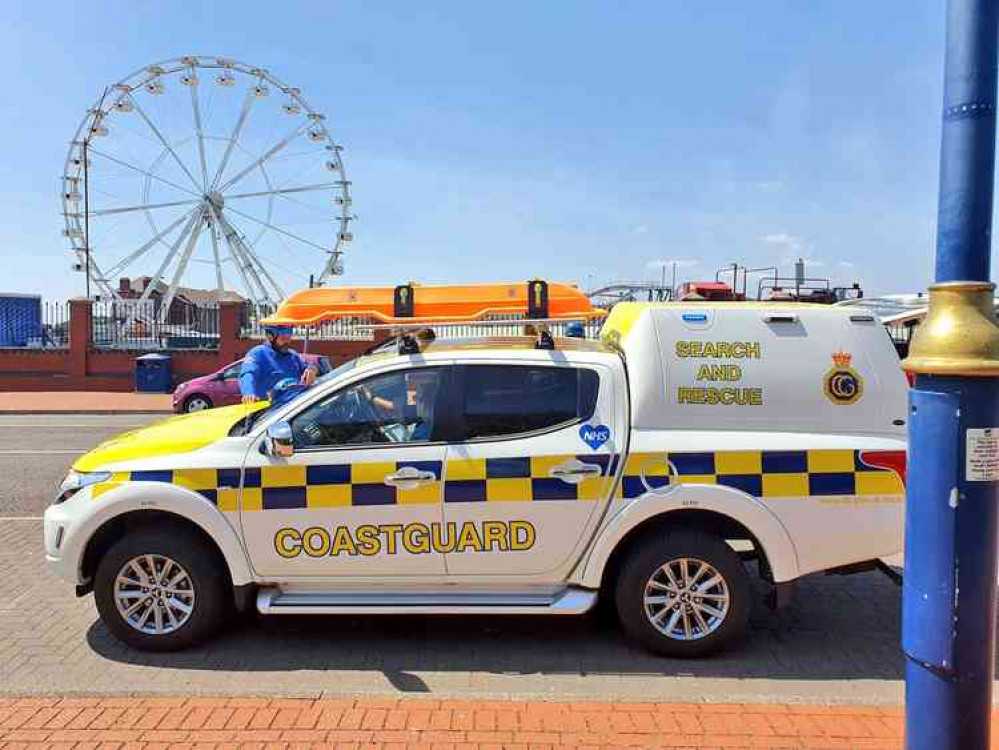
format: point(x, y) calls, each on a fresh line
point(770, 186)
point(786, 241)
point(679, 262)
point(640, 229)
point(846, 264)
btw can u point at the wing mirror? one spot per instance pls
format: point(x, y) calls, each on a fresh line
point(280, 441)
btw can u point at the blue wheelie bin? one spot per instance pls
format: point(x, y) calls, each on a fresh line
point(153, 374)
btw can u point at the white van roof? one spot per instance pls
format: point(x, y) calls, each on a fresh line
point(759, 366)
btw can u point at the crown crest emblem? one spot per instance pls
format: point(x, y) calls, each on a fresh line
point(842, 359)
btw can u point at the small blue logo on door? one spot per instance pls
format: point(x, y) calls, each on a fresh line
point(594, 435)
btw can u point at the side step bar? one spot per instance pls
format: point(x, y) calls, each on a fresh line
point(272, 601)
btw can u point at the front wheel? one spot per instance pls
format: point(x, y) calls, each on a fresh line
point(161, 590)
point(197, 403)
point(683, 594)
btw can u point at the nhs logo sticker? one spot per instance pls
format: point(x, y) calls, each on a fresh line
point(594, 435)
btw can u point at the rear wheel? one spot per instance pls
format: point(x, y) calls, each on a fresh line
point(197, 403)
point(162, 590)
point(683, 594)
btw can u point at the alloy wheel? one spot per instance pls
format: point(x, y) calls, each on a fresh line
point(154, 594)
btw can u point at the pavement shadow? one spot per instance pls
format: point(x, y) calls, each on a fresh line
point(836, 628)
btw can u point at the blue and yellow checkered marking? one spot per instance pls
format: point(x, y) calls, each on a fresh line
point(524, 479)
point(294, 487)
point(763, 474)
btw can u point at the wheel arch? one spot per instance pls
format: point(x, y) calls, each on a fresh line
point(142, 503)
point(117, 527)
point(722, 511)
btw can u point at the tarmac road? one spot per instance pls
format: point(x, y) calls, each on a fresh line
point(36, 451)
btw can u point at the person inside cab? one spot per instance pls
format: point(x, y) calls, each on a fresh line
point(412, 406)
point(267, 364)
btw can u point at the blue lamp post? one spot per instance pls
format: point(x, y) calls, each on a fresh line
point(952, 509)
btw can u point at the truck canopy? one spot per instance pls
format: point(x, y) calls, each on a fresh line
point(759, 366)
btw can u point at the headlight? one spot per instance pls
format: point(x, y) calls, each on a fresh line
point(76, 481)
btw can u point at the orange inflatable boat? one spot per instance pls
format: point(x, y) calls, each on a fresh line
point(414, 303)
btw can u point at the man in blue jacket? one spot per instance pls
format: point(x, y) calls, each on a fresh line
point(267, 364)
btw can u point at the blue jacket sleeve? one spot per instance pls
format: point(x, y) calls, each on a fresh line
point(303, 364)
point(248, 375)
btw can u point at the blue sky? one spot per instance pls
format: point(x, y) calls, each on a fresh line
point(572, 140)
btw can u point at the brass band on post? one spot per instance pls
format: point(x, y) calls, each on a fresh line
point(960, 335)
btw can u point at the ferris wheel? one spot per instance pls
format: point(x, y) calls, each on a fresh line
point(205, 172)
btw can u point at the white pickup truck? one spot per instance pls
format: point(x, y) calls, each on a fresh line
point(494, 476)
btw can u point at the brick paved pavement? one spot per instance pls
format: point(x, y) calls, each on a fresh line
point(437, 724)
point(837, 643)
point(83, 402)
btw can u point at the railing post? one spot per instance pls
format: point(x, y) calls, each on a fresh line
point(230, 345)
point(80, 328)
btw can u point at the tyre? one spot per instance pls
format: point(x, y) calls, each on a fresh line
point(683, 594)
point(197, 402)
point(162, 589)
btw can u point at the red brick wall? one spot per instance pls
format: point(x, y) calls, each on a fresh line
point(81, 367)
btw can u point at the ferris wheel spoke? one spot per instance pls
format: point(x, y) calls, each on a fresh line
point(249, 250)
point(219, 283)
point(125, 262)
point(266, 155)
point(169, 257)
point(283, 191)
point(273, 228)
point(201, 136)
point(254, 267)
point(178, 272)
point(142, 207)
point(234, 243)
point(240, 122)
point(145, 172)
point(163, 141)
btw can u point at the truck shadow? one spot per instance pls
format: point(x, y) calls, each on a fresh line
point(835, 628)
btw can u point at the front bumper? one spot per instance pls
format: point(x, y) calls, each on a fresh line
point(62, 551)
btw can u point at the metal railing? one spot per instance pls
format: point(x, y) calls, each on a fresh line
point(44, 325)
point(134, 325)
point(345, 329)
point(355, 329)
point(591, 329)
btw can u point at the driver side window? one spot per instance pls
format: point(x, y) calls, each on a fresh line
point(397, 407)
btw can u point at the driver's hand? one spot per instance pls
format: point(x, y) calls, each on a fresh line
point(249, 398)
point(309, 376)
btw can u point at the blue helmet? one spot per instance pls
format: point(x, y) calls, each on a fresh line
point(279, 329)
point(575, 330)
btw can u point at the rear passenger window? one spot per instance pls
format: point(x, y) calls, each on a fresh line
point(507, 400)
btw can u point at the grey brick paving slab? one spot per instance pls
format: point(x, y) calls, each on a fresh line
point(837, 642)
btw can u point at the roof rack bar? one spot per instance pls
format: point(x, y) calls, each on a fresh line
point(417, 324)
point(403, 304)
point(537, 299)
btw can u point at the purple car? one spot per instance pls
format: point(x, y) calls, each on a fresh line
point(221, 388)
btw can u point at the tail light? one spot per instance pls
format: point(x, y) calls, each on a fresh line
point(890, 460)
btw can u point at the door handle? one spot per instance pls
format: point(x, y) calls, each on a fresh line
point(409, 478)
point(575, 471)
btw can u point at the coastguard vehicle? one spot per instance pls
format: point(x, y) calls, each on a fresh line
point(505, 475)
